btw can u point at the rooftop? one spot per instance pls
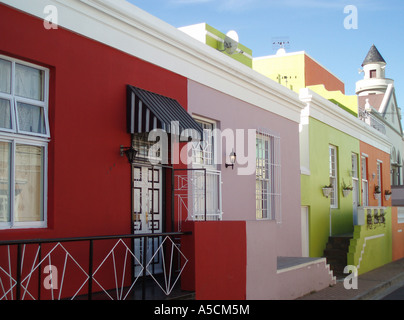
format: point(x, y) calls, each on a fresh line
point(373, 56)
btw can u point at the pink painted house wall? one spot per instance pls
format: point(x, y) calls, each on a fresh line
point(265, 239)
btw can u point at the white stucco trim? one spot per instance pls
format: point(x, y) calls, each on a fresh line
point(325, 111)
point(125, 27)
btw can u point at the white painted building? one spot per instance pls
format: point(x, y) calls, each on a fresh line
point(377, 106)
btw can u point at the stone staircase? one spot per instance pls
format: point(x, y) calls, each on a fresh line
point(336, 253)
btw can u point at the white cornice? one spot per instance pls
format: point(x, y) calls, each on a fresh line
point(325, 111)
point(127, 28)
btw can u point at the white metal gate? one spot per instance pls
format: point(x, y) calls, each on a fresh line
point(147, 211)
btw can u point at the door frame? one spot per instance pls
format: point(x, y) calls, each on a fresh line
point(305, 230)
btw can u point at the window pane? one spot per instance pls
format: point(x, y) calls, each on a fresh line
point(28, 82)
point(354, 166)
point(29, 173)
point(5, 162)
point(364, 170)
point(263, 178)
point(202, 151)
point(31, 118)
point(5, 114)
point(5, 76)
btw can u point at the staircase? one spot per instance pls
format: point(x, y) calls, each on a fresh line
point(336, 253)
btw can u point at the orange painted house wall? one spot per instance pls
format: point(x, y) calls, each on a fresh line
point(397, 230)
point(316, 74)
point(373, 155)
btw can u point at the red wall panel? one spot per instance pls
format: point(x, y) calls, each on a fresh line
point(89, 190)
point(218, 260)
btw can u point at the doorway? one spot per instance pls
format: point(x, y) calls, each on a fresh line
point(305, 231)
point(147, 215)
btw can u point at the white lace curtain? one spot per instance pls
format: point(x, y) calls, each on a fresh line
point(27, 84)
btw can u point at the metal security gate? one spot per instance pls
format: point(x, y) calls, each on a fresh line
point(147, 212)
point(197, 194)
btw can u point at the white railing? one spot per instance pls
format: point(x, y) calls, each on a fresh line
point(54, 269)
point(372, 121)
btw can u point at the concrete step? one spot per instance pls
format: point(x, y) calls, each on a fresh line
point(336, 253)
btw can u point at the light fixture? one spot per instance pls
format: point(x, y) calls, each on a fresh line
point(232, 160)
point(130, 153)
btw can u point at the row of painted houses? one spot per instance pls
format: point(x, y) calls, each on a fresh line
point(228, 164)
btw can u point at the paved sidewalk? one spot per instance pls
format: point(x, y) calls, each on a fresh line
point(372, 285)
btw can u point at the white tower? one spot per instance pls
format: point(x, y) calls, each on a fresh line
point(374, 80)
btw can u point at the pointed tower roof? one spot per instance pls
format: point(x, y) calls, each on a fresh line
point(373, 56)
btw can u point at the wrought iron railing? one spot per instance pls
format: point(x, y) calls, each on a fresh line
point(79, 268)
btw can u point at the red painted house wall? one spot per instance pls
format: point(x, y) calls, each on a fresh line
point(217, 252)
point(88, 181)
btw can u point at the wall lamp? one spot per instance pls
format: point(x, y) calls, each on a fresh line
point(130, 153)
point(232, 160)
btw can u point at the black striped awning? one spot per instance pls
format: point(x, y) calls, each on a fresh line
point(147, 111)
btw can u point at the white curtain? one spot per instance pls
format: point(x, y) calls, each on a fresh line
point(5, 114)
point(30, 118)
point(5, 76)
point(5, 161)
point(28, 204)
point(28, 82)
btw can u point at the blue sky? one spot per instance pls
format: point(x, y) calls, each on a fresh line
point(314, 26)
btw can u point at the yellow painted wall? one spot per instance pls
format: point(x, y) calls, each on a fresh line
point(289, 65)
point(350, 102)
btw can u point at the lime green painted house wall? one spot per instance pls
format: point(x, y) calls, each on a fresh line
point(215, 39)
point(321, 136)
point(371, 246)
point(324, 124)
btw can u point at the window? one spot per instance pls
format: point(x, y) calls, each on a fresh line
point(203, 158)
point(373, 73)
point(267, 180)
point(333, 176)
point(365, 193)
point(203, 151)
point(23, 143)
point(379, 180)
point(23, 98)
point(355, 179)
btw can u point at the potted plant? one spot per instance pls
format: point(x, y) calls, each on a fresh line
point(369, 221)
point(382, 217)
point(346, 189)
point(387, 194)
point(377, 192)
point(327, 190)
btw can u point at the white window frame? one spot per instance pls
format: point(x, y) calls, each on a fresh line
point(14, 99)
point(333, 173)
point(16, 136)
point(27, 224)
point(379, 170)
point(365, 181)
point(355, 173)
point(207, 162)
point(268, 176)
point(213, 178)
